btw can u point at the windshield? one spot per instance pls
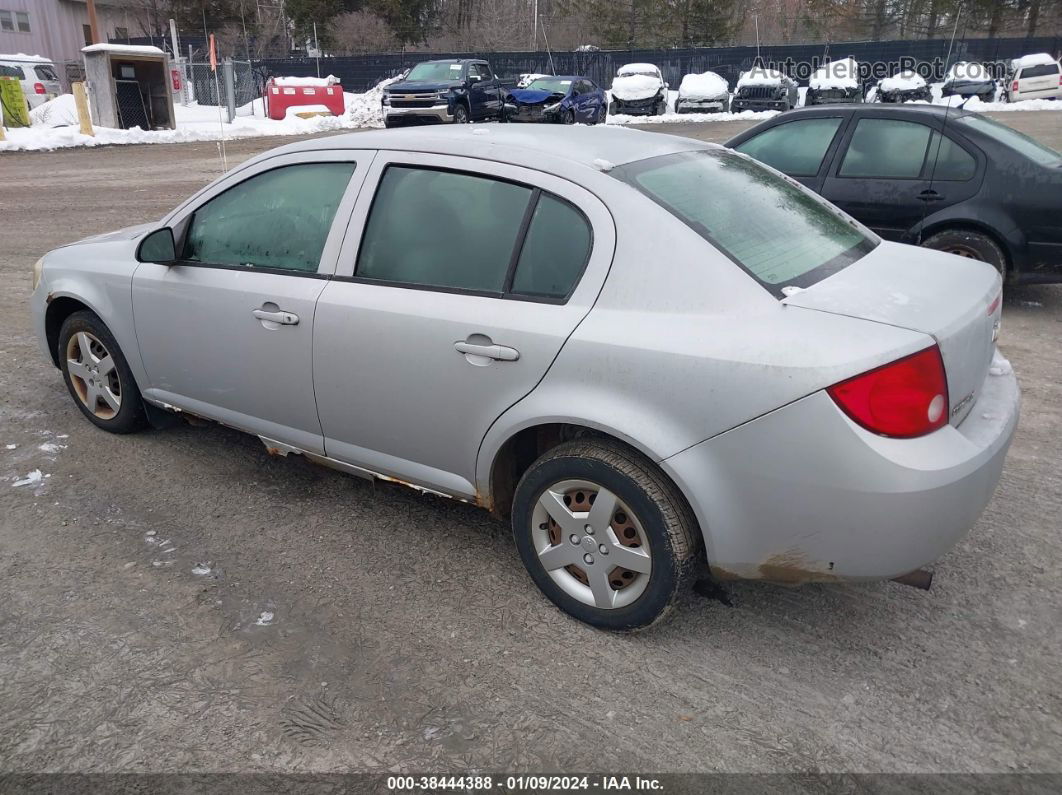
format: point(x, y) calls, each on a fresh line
point(779, 233)
point(1008, 136)
point(435, 71)
point(551, 84)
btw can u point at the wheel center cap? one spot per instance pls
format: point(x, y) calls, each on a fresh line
point(589, 544)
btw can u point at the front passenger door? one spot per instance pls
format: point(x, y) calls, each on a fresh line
point(226, 332)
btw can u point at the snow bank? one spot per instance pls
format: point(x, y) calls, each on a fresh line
point(706, 85)
point(904, 81)
point(319, 82)
point(761, 77)
point(836, 74)
point(58, 112)
point(637, 69)
point(682, 118)
point(630, 87)
point(1036, 59)
point(128, 49)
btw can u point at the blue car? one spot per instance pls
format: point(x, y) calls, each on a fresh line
point(567, 99)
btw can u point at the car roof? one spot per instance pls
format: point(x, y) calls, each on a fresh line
point(553, 149)
point(452, 60)
point(873, 108)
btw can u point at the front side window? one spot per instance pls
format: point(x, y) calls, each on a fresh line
point(455, 231)
point(796, 147)
point(277, 220)
point(886, 149)
point(10, 71)
point(777, 232)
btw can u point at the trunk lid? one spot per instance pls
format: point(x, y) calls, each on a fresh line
point(954, 300)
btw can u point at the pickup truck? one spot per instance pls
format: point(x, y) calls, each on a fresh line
point(451, 91)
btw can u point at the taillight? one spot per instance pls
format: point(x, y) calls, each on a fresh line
point(1015, 86)
point(903, 399)
point(38, 88)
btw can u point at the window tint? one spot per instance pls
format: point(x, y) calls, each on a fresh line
point(777, 232)
point(952, 161)
point(1040, 70)
point(10, 71)
point(1008, 136)
point(886, 149)
point(46, 73)
point(795, 148)
point(555, 250)
point(442, 229)
point(278, 219)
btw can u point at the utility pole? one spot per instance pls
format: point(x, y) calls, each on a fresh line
point(94, 28)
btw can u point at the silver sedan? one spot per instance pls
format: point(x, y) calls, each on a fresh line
point(651, 353)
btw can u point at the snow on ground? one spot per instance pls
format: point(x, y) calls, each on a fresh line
point(672, 118)
point(55, 124)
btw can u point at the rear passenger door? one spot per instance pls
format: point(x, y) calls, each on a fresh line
point(458, 283)
point(892, 173)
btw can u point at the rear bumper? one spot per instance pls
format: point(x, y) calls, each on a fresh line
point(803, 494)
point(1054, 92)
point(439, 113)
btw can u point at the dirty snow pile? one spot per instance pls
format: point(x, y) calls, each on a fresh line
point(55, 126)
point(707, 86)
point(836, 74)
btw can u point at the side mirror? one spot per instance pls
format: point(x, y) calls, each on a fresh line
point(158, 248)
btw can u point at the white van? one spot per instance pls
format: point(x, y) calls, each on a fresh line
point(1034, 77)
point(39, 77)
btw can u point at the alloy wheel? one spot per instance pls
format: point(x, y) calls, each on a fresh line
point(93, 375)
point(591, 544)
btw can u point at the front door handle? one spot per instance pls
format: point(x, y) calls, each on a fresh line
point(930, 196)
point(499, 353)
point(279, 316)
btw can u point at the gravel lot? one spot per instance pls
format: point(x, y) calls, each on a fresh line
point(404, 634)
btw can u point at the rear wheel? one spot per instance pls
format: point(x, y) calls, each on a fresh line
point(98, 376)
point(604, 534)
point(969, 244)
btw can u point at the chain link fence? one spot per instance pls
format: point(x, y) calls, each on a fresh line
point(234, 86)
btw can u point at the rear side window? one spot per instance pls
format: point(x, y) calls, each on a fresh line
point(456, 231)
point(795, 148)
point(777, 232)
point(1040, 70)
point(278, 220)
point(10, 71)
point(45, 73)
point(886, 149)
point(555, 251)
point(952, 162)
point(1009, 137)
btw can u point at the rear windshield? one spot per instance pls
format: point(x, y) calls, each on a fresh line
point(1040, 70)
point(777, 232)
point(1008, 136)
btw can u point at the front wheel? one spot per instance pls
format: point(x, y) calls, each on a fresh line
point(98, 376)
point(568, 117)
point(969, 244)
point(460, 114)
point(604, 534)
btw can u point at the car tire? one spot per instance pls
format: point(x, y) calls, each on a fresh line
point(568, 117)
point(602, 115)
point(649, 524)
point(969, 244)
point(106, 394)
point(460, 114)
point(661, 108)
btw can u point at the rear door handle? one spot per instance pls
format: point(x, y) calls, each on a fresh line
point(281, 317)
point(930, 196)
point(500, 353)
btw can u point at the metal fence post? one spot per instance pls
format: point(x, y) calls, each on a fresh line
point(228, 77)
